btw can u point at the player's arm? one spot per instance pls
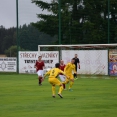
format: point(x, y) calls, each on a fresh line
point(47, 73)
point(79, 65)
point(66, 67)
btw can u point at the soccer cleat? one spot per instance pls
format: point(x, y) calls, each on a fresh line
point(40, 84)
point(53, 96)
point(70, 90)
point(60, 95)
point(75, 78)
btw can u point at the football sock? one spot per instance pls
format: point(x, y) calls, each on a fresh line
point(60, 89)
point(71, 83)
point(40, 80)
point(53, 90)
point(63, 86)
point(74, 75)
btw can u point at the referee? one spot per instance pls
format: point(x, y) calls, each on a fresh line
point(77, 64)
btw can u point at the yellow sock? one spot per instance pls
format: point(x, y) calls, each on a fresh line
point(70, 86)
point(60, 89)
point(53, 90)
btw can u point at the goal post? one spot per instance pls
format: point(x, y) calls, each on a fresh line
point(82, 46)
point(94, 58)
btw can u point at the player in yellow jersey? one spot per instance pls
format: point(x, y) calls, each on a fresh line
point(69, 70)
point(53, 74)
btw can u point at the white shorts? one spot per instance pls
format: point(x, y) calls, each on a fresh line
point(62, 78)
point(40, 73)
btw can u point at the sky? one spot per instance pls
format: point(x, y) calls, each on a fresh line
point(27, 12)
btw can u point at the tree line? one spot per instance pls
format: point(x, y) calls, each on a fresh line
point(28, 39)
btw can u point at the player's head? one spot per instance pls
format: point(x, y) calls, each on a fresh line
point(61, 62)
point(76, 55)
point(72, 61)
point(39, 57)
point(57, 65)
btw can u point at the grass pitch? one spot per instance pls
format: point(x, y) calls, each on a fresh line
point(20, 96)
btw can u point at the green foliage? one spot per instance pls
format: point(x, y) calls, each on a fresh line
point(12, 51)
point(7, 38)
point(20, 96)
point(82, 21)
point(29, 38)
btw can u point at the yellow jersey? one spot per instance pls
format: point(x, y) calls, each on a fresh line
point(54, 72)
point(69, 68)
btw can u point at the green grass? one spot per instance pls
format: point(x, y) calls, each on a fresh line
point(20, 96)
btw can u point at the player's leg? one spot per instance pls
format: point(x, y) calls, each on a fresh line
point(60, 91)
point(64, 87)
point(40, 80)
point(71, 82)
point(66, 81)
point(70, 85)
point(40, 77)
point(62, 78)
point(53, 91)
point(75, 75)
point(51, 81)
point(57, 82)
point(61, 88)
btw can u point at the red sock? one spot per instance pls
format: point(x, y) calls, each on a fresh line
point(40, 80)
point(63, 86)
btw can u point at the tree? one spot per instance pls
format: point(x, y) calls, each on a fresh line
point(83, 21)
point(49, 23)
point(12, 51)
point(29, 38)
point(7, 38)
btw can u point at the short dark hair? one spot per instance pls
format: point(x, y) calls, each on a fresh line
point(39, 56)
point(73, 59)
point(57, 65)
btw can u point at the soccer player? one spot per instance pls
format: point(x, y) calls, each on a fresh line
point(69, 68)
point(77, 64)
point(53, 74)
point(62, 77)
point(39, 65)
